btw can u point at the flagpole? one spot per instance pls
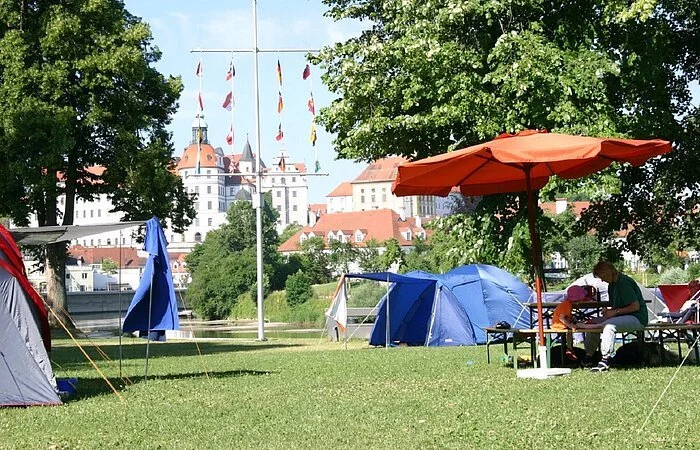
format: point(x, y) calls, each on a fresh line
point(258, 181)
point(232, 104)
point(258, 172)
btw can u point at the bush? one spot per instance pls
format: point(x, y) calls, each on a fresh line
point(365, 294)
point(694, 271)
point(298, 287)
point(674, 275)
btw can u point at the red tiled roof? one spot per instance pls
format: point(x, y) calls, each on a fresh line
point(380, 170)
point(318, 208)
point(577, 207)
point(342, 190)
point(380, 224)
point(95, 255)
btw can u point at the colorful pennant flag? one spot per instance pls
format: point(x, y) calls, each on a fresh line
point(311, 104)
point(280, 134)
point(306, 73)
point(228, 102)
point(231, 72)
point(198, 72)
point(199, 100)
point(280, 103)
point(282, 164)
point(229, 136)
point(279, 73)
point(313, 134)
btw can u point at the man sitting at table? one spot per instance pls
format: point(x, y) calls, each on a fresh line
point(563, 318)
point(628, 312)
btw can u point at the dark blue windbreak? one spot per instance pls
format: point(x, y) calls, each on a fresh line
point(407, 318)
point(157, 278)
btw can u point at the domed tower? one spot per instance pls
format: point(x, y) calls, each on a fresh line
point(200, 167)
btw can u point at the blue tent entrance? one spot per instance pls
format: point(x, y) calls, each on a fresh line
point(448, 309)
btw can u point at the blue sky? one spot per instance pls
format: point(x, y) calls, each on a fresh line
point(179, 26)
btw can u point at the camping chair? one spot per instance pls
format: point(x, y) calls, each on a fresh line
point(682, 303)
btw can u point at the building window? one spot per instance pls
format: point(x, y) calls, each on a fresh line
point(196, 189)
point(99, 213)
point(84, 275)
point(294, 207)
point(67, 275)
point(92, 242)
point(294, 179)
point(232, 191)
point(362, 199)
point(294, 193)
point(362, 191)
point(208, 205)
point(210, 221)
point(99, 242)
point(279, 194)
point(384, 197)
point(196, 222)
point(373, 198)
point(196, 205)
point(373, 190)
point(198, 237)
point(109, 241)
point(208, 189)
point(83, 214)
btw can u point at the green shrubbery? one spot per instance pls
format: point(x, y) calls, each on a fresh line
point(674, 275)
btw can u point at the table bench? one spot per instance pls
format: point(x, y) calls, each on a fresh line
point(678, 332)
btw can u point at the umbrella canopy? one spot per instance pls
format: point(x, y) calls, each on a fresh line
point(499, 166)
point(521, 162)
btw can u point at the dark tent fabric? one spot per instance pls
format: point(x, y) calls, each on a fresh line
point(448, 309)
point(26, 377)
point(156, 291)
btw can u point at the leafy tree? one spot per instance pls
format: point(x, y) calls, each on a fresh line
point(418, 258)
point(342, 255)
point(298, 288)
point(289, 231)
point(582, 253)
point(315, 260)
point(368, 257)
point(224, 266)
point(439, 75)
point(392, 254)
point(109, 266)
point(78, 88)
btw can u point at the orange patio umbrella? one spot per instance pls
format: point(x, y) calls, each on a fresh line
point(521, 162)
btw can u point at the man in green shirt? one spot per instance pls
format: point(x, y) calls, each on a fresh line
point(628, 312)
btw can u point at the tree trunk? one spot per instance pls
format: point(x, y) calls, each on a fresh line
point(55, 283)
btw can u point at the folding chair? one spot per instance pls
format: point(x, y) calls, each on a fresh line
point(682, 303)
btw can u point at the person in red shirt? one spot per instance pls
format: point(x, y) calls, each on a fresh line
point(563, 319)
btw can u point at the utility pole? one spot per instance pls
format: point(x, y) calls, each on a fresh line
point(258, 198)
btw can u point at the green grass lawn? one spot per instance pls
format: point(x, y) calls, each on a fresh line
point(299, 394)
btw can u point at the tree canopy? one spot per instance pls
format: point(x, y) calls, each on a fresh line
point(428, 77)
point(78, 89)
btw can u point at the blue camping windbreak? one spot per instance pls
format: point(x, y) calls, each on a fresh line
point(448, 309)
point(156, 287)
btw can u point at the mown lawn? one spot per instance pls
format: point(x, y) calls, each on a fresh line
point(299, 394)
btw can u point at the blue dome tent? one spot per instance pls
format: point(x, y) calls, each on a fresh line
point(449, 309)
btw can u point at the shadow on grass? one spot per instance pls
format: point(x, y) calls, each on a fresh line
point(92, 387)
point(133, 349)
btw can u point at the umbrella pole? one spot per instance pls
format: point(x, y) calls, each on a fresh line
point(535, 252)
point(148, 331)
